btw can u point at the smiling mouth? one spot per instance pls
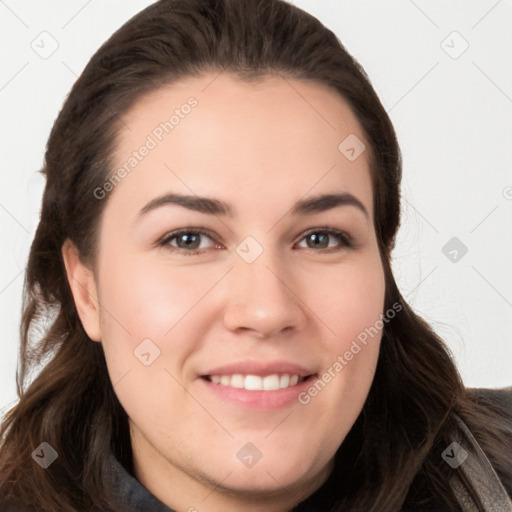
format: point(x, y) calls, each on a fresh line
point(256, 382)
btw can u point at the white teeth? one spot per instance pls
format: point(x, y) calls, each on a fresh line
point(237, 381)
point(271, 382)
point(255, 382)
point(284, 382)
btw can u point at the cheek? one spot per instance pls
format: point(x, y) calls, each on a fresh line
point(156, 302)
point(352, 309)
point(144, 321)
point(147, 300)
point(351, 301)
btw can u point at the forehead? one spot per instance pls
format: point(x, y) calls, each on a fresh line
point(268, 139)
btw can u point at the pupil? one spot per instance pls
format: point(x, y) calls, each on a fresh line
point(189, 239)
point(316, 238)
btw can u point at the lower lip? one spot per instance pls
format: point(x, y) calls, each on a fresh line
point(258, 400)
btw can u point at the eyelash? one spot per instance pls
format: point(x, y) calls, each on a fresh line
point(346, 240)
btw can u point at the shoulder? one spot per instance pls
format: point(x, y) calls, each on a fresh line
point(486, 429)
point(499, 400)
point(501, 397)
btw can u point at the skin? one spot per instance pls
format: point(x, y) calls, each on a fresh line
point(259, 147)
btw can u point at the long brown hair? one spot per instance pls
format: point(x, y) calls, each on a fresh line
point(391, 458)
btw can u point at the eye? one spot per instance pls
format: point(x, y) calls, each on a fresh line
point(188, 242)
point(320, 239)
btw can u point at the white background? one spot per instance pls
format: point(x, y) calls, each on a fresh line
point(453, 117)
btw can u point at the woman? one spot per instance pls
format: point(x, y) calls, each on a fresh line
point(214, 258)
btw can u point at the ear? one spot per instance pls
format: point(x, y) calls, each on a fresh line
point(83, 287)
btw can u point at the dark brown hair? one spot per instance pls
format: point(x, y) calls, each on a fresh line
point(390, 459)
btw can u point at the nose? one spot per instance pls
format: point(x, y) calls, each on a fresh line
point(264, 298)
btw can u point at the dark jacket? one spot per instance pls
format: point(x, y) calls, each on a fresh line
point(493, 496)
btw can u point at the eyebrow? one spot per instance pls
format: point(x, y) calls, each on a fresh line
point(316, 204)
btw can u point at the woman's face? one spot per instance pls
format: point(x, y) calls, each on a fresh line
point(271, 306)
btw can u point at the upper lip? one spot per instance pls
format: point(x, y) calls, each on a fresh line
point(260, 368)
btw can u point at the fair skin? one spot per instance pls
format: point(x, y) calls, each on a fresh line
point(260, 147)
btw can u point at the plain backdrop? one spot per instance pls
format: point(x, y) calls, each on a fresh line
point(443, 71)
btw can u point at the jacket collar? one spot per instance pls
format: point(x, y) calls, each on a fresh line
point(478, 469)
point(133, 496)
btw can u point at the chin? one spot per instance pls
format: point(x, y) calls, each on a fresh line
point(272, 476)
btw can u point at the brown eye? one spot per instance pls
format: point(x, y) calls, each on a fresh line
point(188, 242)
point(321, 239)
